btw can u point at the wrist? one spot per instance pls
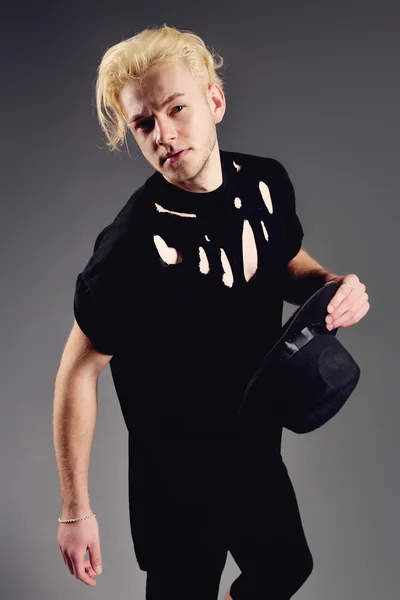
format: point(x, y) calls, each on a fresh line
point(328, 276)
point(301, 287)
point(75, 510)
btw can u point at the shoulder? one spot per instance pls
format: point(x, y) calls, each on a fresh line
point(265, 165)
point(128, 222)
point(119, 241)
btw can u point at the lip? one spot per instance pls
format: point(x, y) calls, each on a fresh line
point(175, 157)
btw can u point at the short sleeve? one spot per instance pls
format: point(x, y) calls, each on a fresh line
point(99, 238)
point(112, 290)
point(293, 228)
point(94, 320)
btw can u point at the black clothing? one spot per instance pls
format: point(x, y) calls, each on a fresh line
point(185, 339)
point(267, 543)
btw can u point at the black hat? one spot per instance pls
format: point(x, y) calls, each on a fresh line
point(307, 374)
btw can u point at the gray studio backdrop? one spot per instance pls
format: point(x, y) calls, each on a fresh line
point(313, 84)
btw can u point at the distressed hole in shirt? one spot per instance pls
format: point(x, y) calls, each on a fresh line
point(169, 255)
point(238, 203)
point(227, 277)
point(237, 167)
point(265, 232)
point(204, 265)
point(266, 196)
point(249, 248)
point(173, 212)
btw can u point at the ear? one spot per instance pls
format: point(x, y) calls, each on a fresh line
point(217, 102)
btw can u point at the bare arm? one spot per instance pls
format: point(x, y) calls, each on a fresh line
point(304, 277)
point(74, 419)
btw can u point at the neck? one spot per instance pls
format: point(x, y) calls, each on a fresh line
point(208, 179)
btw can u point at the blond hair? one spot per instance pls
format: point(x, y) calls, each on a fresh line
point(132, 58)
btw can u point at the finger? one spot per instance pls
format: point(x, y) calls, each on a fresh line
point(355, 318)
point(79, 570)
point(349, 314)
point(343, 291)
point(95, 556)
point(89, 569)
point(336, 302)
point(346, 303)
point(68, 562)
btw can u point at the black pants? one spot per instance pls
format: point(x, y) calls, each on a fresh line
point(256, 517)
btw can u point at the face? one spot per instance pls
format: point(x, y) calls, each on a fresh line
point(162, 124)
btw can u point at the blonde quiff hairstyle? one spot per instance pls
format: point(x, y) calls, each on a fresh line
point(132, 58)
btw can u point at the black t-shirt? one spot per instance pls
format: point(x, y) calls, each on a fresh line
point(185, 290)
point(169, 294)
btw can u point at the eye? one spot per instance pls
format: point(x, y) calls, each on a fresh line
point(146, 123)
point(143, 124)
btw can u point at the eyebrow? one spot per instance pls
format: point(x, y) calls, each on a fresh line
point(166, 101)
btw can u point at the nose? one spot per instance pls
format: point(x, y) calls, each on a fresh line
point(164, 132)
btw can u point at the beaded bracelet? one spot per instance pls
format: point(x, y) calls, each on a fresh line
point(73, 520)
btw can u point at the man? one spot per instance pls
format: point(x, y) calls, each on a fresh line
point(183, 296)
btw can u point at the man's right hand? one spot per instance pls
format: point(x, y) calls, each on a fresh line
point(74, 540)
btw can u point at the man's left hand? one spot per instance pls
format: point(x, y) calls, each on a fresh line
point(349, 305)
